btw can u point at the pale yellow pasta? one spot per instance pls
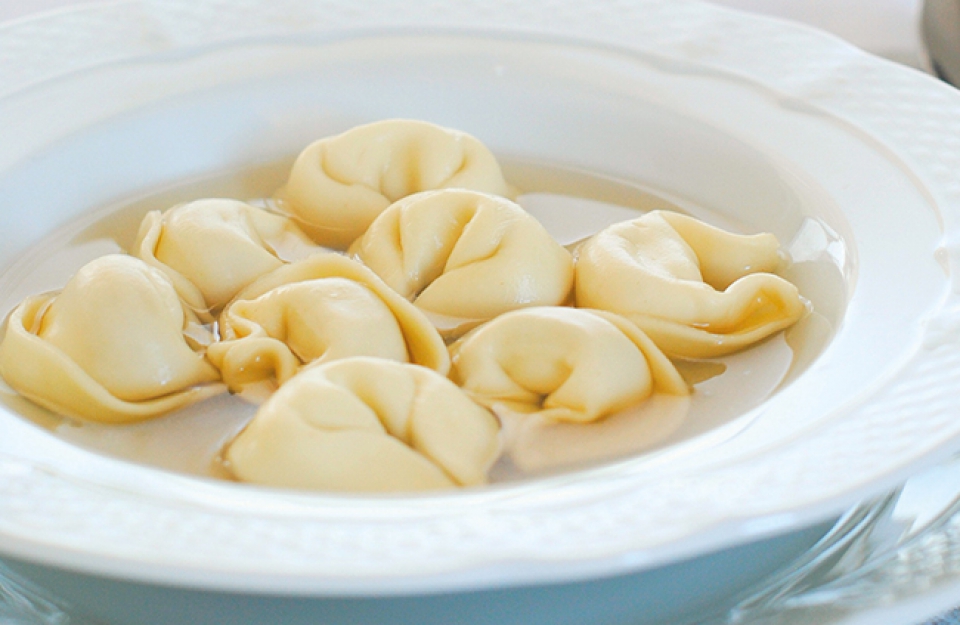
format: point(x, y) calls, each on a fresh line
point(366, 424)
point(465, 257)
point(696, 290)
point(338, 185)
point(111, 347)
point(322, 308)
point(565, 364)
point(212, 248)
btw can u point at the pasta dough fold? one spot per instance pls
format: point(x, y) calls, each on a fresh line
point(565, 364)
point(110, 347)
point(338, 185)
point(464, 257)
point(322, 308)
point(696, 290)
point(212, 248)
point(366, 424)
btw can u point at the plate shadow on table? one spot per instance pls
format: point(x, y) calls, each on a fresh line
point(685, 592)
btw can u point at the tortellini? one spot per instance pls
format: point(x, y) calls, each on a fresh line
point(565, 364)
point(366, 424)
point(535, 444)
point(464, 257)
point(322, 308)
point(338, 185)
point(696, 290)
point(115, 345)
point(212, 248)
point(333, 306)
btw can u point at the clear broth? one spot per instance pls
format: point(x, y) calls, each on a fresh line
point(571, 204)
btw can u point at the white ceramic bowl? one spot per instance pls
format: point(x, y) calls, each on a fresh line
point(749, 121)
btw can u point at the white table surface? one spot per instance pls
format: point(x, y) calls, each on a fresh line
point(888, 28)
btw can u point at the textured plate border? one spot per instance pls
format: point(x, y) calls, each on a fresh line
point(225, 537)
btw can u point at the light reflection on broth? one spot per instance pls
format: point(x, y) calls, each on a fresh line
point(571, 205)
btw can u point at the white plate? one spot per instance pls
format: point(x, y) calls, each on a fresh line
point(749, 120)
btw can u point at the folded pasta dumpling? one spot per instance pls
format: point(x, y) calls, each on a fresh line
point(212, 248)
point(112, 346)
point(565, 364)
point(322, 308)
point(465, 257)
point(339, 184)
point(366, 424)
point(696, 290)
